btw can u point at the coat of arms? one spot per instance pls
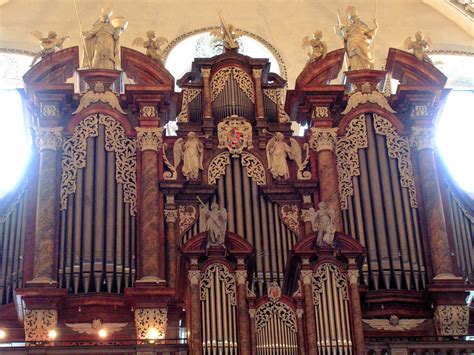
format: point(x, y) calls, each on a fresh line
point(235, 134)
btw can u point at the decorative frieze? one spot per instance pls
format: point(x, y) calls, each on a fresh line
point(422, 138)
point(323, 138)
point(38, 323)
point(451, 320)
point(48, 138)
point(150, 323)
point(149, 138)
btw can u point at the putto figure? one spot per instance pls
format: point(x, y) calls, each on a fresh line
point(152, 44)
point(49, 44)
point(357, 38)
point(319, 48)
point(322, 221)
point(191, 153)
point(419, 46)
point(102, 42)
point(277, 153)
point(215, 225)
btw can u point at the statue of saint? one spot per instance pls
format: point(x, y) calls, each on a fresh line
point(322, 221)
point(102, 42)
point(191, 152)
point(215, 225)
point(419, 46)
point(358, 37)
point(277, 152)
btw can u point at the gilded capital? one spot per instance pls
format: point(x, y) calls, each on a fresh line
point(353, 276)
point(194, 277)
point(48, 138)
point(422, 138)
point(306, 277)
point(149, 138)
point(206, 73)
point(323, 139)
point(241, 276)
point(299, 312)
point(257, 73)
point(171, 216)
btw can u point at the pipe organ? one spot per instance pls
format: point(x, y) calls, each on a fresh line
point(235, 236)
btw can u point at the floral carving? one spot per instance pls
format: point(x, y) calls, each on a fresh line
point(223, 275)
point(243, 80)
point(150, 318)
point(217, 167)
point(38, 322)
point(149, 138)
point(451, 320)
point(279, 310)
point(320, 278)
point(116, 140)
point(255, 169)
point(398, 147)
point(347, 156)
point(289, 216)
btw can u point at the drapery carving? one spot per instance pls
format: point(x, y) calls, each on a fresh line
point(188, 96)
point(116, 140)
point(275, 95)
point(266, 311)
point(151, 318)
point(398, 148)
point(254, 167)
point(225, 277)
point(347, 157)
point(320, 277)
point(220, 79)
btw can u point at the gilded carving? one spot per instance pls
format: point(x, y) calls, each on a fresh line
point(398, 147)
point(95, 326)
point(234, 134)
point(188, 96)
point(171, 216)
point(194, 276)
point(347, 157)
point(306, 276)
point(319, 279)
point(289, 216)
point(320, 112)
point(187, 216)
point(241, 277)
point(223, 275)
point(364, 95)
point(148, 112)
point(323, 138)
point(217, 167)
point(319, 48)
point(419, 46)
point(243, 80)
point(99, 94)
point(394, 323)
point(149, 138)
point(254, 167)
point(49, 110)
point(270, 310)
point(116, 140)
point(152, 44)
point(451, 320)
point(275, 95)
point(353, 276)
point(171, 173)
point(147, 319)
point(38, 323)
point(48, 138)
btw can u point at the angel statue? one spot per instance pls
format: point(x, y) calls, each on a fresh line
point(102, 41)
point(419, 46)
point(319, 48)
point(152, 45)
point(322, 221)
point(48, 44)
point(191, 153)
point(357, 36)
point(215, 224)
point(277, 152)
point(227, 34)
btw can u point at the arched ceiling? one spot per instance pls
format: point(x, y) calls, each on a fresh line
point(283, 23)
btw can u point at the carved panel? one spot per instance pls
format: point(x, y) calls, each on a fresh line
point(188, 96)
point(267, 311)
point(320, 278)
point(187, 216)
point(151, 318)
point(289, 216)
point(38, 323)
point(224, 276)
point(452, 320)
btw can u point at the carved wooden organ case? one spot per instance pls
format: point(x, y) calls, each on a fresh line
point(111, 221)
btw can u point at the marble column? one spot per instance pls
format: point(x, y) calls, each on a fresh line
point(149, 141)
point(307, 278)
point(243, 312)
point(353, 275)
point(257, 79)
point(323, 141)
point(207, 102)
point(48, 141)
point(171, 215)
point(196, 338)
point(422, 140)
point(253, 331)
point(300, 331)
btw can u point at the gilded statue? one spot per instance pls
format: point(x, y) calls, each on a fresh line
point(357, 36)
point(48, 44)
point(191, 153)
point(277, 153)
point(102, 41)
point(227, 33)
point(215, 224)
point(419, 46)
point(319, 48)
point(152, 45)
point(322, 222)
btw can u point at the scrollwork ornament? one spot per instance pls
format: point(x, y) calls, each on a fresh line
point(347, 157)
point(223, 275)
point(172, 173)
point(323, 139)
point(38, 322)
point(289, 216)
point(219, 81)
point(451, 320)
point(320, 277)
point(254, 167)
point(398, 147)
point(149, 138)
point(188, 96)
point(151, 318)
point(422, 138)
point(48, 138)
point(270, 310)
point(275, 95)
point(217, 167)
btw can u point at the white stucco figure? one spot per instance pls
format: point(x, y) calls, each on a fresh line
point(322, 222)
point(191, 152)
point(277, 153)
point(215, 225)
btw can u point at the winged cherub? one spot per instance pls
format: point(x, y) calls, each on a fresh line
point(152, 44)
point(277, 153)
point(319, 48)
point(49, 44)
point(419, 46)
point(191, 153)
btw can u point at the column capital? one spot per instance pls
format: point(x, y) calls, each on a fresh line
point(323, 139)
point(257, 73)
point(422, 137)
point(241, 277)
point(48, 138)
point(171, 216)
point(306, 277)
point(299, 312)
point(252, 313)
point(194, 277)
point(149, 138)
point(353, 276)
point(206, 72)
